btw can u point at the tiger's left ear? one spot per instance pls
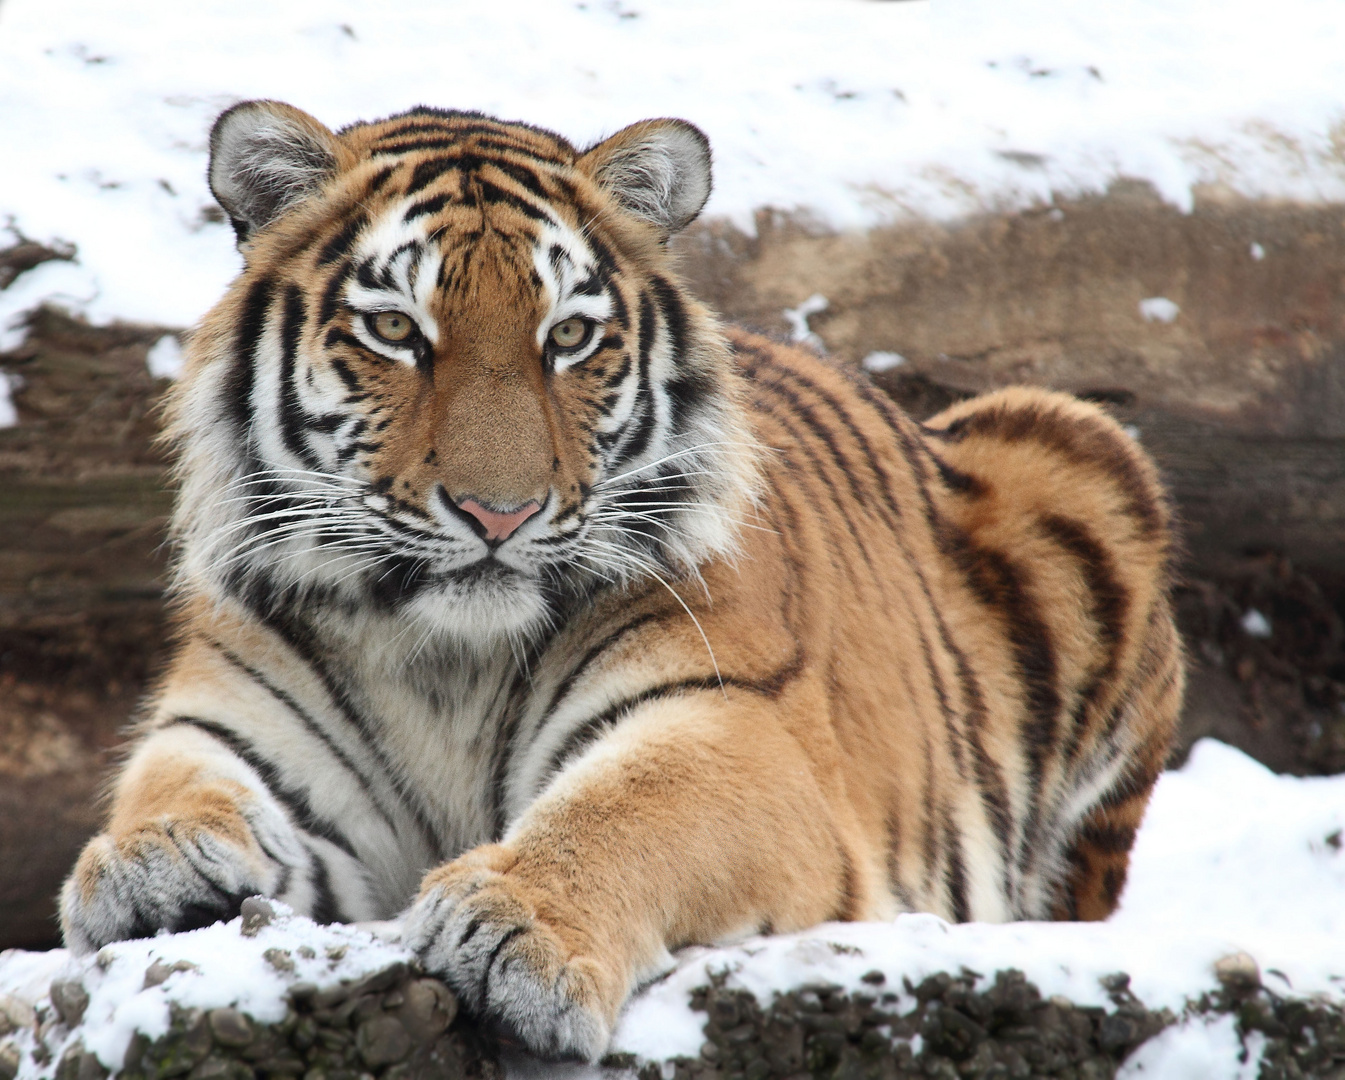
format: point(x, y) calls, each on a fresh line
point(658, 170)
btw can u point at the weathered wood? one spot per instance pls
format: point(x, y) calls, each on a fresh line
point(1241, 396)
point(83, 503)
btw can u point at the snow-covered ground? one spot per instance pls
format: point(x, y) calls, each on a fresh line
point(1231, 858)
point(853, 111)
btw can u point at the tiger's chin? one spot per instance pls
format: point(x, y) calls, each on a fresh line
point(482, 608)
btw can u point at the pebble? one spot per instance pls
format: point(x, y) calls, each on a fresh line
point(16, 1015)
point(256, 912)
point(230, 1027)
point(381, 980)
point(381, 1040)
point(70, 999)
point(1238, 972)
point(428, 1007)
point(157, 973)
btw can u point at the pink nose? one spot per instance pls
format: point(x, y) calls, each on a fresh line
point(499, 526)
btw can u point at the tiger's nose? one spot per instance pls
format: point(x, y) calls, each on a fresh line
point(495, 524)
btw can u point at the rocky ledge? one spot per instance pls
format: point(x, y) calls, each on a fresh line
point(272, 995)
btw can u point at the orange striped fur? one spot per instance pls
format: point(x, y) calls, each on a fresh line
point(589, 629)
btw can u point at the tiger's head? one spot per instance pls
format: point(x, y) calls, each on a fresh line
point(457, 379)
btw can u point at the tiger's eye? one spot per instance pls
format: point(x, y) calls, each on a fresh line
point(392, 326)
point(569, 334)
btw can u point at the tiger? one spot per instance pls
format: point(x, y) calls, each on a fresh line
point(518, 598)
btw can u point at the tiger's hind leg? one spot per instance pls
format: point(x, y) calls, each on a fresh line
point(1097, 860)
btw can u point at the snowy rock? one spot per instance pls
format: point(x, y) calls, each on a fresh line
point(799, 330)
point(164, 359)
point(1254, 624)
point(878, 362)
point(9, 415)
point(1159, 309)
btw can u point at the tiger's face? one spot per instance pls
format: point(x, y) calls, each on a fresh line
point(456, 377)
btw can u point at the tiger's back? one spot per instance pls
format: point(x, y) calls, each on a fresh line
point(499, 556)
point(1010, 628)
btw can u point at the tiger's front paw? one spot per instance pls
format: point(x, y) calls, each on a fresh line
point(499, 944)
point(168, 876)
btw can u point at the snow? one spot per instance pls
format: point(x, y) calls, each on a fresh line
point(878, 362)
point(228, 969)
point(1159, 309)
point(799, 330)
point(9, 415)
point(165, 358)
point(851, 113)
point(1199, 1048)
point(1254, 624)
point(1231, 857)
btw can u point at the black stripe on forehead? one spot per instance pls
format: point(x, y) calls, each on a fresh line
point(462, 124)
point(488, 194)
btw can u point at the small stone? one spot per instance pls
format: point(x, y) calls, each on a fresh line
point(332, 996)
point(335, 952)
point(1238, 973)
point(195, 1028)
point(157, 973)
point(281, 1065)
point(429, 1008)
point(280, 959)
point(70, 999)
point(381, 980)
point(9, 1060)
point(135, 1051)
point(212, 1068)
point(230, 1027)
point(357, 1010)
point(256, 912)
point(305, 1034)
point(1115, 983)
point(873, 978)
point(16, 1015)
point(303, 993)
point(306, 951)
point(1116, 1033)
point(68, 1067)
point(90, 1068)
point(382, 1041)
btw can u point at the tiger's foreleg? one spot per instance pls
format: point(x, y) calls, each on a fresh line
point(191, 834)
point(694, 821)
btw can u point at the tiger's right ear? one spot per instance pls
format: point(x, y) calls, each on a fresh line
point(265, 157)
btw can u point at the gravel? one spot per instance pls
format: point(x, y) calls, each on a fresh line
point(398, 1024)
